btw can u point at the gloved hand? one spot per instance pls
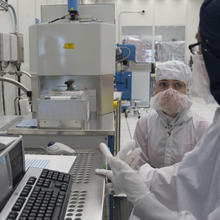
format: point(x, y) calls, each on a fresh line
point(130, 154)
point(124, 178)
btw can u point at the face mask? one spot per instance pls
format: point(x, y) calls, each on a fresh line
point(201, 83)
point(170, 101)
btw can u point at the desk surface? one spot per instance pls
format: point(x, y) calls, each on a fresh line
point(87, 195)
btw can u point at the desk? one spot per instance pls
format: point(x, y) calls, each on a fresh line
point(87, 195)
point(86, 143)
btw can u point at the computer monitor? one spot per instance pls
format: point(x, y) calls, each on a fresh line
point(12, 169)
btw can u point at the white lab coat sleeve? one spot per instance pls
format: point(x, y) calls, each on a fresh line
point(200, 124)
point(202, 128)
point(148, 207)
point(141, 140)
point(162, 183)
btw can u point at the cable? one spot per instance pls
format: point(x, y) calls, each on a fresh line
point(14, 82)
point(6, 64)
point(15, 104)
point(3, 93)
point(19, 90)
point(25, 73)
point(57, 19)
point(15, 17)
point(126, 119)
point(3, 98)
point(124, 58)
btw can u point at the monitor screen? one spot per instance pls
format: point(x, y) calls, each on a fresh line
point(4, 182)
point(17, 163)
point(15, 156)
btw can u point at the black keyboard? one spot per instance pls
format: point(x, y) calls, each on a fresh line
point(43, 198)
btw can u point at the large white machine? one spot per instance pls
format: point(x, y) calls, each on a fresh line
point(72, 67)
point(72, 63)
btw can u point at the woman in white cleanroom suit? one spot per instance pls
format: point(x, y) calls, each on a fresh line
point(165, 134)
point(191, 189)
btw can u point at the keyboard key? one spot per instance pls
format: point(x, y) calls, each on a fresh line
point(31, 180)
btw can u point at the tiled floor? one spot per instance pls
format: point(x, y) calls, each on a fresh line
point(128, 125)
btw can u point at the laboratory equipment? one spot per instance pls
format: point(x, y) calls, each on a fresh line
point(123, 76)
point(11, 168)
point(73, 59)
point(72, 63)
point(132, 77)
point(25, 194)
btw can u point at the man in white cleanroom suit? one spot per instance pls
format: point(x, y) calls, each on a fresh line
point(191, 189)
point(165, 134)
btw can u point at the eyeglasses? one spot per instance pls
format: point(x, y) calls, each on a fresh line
point(193, 47)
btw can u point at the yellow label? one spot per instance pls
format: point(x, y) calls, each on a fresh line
point(72, 9)
point(70, 46)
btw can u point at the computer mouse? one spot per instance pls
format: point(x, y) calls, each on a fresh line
point(59, 148)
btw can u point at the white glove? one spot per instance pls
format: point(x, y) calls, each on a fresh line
point(130, 154)
point(124, 178)
point(128, 181)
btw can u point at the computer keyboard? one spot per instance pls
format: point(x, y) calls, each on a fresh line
point(42, 195)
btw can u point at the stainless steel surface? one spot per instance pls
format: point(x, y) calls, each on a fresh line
point(82, 52)
point(87, 196)
point(117, 126)
point(99, 88)
point(75, 124)
point(63, 113)
point(103, 125)
point(86, 200)
point(72, 48)
point(7, 121)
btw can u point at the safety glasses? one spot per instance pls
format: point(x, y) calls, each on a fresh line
point(194, 48)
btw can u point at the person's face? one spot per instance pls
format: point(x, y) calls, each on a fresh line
point(165, 84)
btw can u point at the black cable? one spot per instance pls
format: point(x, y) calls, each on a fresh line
point(126, 119)
point(3, 98)
point(57, 19)
point(19, 90)
point(3, 93)
point(129, 130)
point(124, 58)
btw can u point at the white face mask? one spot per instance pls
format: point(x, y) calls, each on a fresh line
point(170, 101)
point(201, 83)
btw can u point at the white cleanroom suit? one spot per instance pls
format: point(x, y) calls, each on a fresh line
point(192, 185)
point(189, 190)
point(164, 140)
